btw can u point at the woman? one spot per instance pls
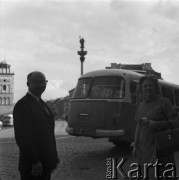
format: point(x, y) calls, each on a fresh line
point(153, 115)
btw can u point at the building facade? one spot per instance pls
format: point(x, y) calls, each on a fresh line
point(6, 88)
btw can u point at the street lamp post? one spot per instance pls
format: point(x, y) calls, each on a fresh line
point(82, 54)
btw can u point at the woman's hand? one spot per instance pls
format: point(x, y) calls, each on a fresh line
point(152, 125)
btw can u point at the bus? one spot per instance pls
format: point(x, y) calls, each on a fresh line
point(104, 103)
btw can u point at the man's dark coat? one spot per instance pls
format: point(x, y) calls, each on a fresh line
point(34, 134)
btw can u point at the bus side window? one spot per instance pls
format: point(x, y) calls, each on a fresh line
point(177, 97)
point(168, 93)
point(133, 91)
point(159, 91)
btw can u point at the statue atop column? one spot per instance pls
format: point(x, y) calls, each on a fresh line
point(82, 53)
point(82, 43)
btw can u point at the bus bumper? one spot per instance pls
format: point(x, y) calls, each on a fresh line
point(97, 133)
point(109, 133)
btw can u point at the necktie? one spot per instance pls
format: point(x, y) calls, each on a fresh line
point(43, 106)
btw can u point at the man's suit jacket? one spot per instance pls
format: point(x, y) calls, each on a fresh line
point(34, 134)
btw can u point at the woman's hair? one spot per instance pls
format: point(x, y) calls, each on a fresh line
point(150, 77)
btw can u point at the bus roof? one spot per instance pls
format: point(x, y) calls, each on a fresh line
point(166, 83)
point(121, 72)
point(110, 72)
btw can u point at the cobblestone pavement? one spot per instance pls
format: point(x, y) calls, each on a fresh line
point(81, 158)
point(8, 159)
point(9, 151)
point(85, 158)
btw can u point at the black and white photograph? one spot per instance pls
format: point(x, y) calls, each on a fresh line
point(89, 89)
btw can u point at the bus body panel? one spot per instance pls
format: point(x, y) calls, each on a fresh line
point(83, 114)
point(87, 117)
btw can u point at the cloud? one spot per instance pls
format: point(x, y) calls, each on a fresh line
point(167, 9)
point(54, 84)
point(141, 30)
point(44, 35)
point(55, 89)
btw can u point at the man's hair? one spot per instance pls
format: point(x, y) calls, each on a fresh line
point(30, 75)
point(152, 78)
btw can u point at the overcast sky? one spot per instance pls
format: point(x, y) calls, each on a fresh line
point(44, 35)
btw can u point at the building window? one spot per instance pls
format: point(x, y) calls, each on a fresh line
point(0, 101)
point(4, 89)
point(8, 89)
point(4, 70)
point(3, 101)
point(7, 101)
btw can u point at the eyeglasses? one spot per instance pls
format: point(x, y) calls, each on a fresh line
point(40, 82)
point(43, 82)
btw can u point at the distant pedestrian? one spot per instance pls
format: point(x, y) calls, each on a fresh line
point(34, 132)
point(152, 116)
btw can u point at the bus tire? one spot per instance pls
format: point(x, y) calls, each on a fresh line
point(120, 143)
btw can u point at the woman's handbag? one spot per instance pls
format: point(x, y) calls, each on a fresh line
point(167, 141)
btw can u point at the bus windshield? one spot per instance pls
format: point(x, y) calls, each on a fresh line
point(82, 88)
point(101, 88)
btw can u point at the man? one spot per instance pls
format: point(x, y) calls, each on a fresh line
point(34, 132)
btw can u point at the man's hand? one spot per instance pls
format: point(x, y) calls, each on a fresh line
point(58, 163)
point(37, 169)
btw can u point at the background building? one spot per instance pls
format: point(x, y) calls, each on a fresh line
point(59, 107)
point(6, 88)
